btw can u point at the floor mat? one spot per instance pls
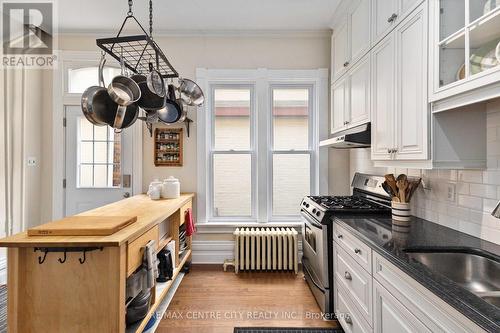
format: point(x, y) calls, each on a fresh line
point(285, 330)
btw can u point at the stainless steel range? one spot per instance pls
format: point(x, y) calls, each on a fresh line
point(368, 199)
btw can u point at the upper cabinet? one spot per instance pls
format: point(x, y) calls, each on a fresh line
point(386, 14)
point(351, 37)
point(399, 90)
point(465, 52)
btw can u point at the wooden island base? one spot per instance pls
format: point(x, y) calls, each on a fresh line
point(63, 295)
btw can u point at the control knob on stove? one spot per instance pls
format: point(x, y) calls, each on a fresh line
point(314, 210)
point(318, 213)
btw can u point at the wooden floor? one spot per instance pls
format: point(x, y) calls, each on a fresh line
point(211, 300)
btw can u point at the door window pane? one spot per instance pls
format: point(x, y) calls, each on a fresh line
point(291, 119)
point(80, 79)
point(99, 151)
point(291, 182)
point(232, 119)
point(232, 182)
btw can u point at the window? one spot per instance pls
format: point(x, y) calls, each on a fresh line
point(258, 144)
point(231, 152)
point(80, 79)
point(291, 149)
point(99, 154)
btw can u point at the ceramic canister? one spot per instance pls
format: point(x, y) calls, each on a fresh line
point(401, 211)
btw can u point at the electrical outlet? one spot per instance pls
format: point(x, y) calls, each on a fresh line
point(31, 161)
point(451, 190)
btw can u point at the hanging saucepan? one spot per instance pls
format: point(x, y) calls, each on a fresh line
point(172, 110)
point(191, 93)
point(155, 82)
point(123, 91)
point(149, 101)
point(95, 100)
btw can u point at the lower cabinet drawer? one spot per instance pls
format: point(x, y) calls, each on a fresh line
point(135, 249)
point(358, 250)
point(349, 317)
point(355, 280)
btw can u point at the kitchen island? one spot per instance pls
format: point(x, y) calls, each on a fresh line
point(78, 283)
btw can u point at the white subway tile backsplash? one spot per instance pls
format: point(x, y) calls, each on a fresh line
point(470, 176)
point(477, 191)
point(483, 191)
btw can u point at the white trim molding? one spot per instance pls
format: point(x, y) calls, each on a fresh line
point(215, 252)
point(262, 80)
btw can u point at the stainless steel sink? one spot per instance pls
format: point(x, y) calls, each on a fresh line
point(474, 272)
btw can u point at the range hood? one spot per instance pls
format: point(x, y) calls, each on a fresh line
point(356, 137)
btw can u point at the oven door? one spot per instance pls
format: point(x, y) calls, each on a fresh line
point(314, 247)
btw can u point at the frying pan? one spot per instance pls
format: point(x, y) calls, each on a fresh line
point(173, 108)
point(149, 101)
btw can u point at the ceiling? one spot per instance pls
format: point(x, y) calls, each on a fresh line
point(198, 16)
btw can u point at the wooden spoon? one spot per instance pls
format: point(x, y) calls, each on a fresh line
point(402, 184)
point(391, 181)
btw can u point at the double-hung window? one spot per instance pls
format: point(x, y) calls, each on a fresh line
point(258, 152)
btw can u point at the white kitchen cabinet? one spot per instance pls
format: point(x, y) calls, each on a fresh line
point(351, 37)
point(359, 93)
point(390, 316)
point(399, 92)
point(340, 55)
point(359, 29)
point(351, 98)
point(338, 105)
point(348, 315)
point(464, 35)
point(386, 14)
point(383, 101)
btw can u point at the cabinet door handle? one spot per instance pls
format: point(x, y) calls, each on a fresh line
point(347, 275)
point(357, 251)
point(346, 63)
point(340, 236)
point(348, 319)
point(392, 18)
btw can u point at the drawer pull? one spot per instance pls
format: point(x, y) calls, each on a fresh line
point(340, 236)
point(357, 251)
point(392, 18)
point(347, 275)
point(348, 319)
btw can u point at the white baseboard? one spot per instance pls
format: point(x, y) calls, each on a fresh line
point(215, 252)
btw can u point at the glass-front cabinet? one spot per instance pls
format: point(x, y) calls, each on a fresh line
point(466, 45)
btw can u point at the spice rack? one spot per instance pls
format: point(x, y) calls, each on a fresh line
point(168, 146)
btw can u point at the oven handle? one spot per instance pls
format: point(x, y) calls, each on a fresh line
point(316, 284)
point(310, 219)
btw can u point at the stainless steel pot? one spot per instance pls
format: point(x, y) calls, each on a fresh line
point(95, 101)
point(149, 101)
point(191, 93)
point(123, 91)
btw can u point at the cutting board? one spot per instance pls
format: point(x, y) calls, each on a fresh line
point(83, 226)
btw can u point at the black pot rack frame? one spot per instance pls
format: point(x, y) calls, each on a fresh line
point(138, 51)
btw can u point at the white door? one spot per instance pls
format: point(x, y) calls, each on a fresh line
point(382, 96)
point(98, 163)
point(340, 50)
point(385, 15)
point(339, 105)
point(359, 85)
point(359, 34)
point(411, 96)
point(390, 316)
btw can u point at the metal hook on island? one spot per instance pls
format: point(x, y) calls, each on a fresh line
point(40, 259)
point(82, 260)
point(62, 261)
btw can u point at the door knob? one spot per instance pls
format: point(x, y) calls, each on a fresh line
point(126, 194)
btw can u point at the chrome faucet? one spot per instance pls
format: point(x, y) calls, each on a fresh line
point(496, 211)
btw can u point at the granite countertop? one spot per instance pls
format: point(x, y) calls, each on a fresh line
point(390, 241)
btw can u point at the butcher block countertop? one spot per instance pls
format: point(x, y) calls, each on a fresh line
point(149, 213)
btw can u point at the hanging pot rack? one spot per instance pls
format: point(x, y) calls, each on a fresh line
point(138, 50)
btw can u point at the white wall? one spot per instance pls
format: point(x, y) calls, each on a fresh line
point(477, 191)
